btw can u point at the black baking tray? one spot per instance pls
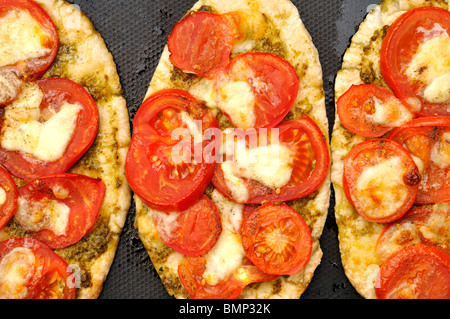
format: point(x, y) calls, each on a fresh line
point(135, 32)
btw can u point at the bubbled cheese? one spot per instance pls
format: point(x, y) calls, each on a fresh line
point(16, 269)
point(21, 37)
point(23, 130)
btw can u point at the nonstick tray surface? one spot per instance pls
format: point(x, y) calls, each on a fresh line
point(135, 32)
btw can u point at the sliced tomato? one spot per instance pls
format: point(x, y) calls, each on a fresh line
point(274, 87)
point(399, 46)
point(427, 139)
point(57, 93)
point(8, 197)
point(168, 165)
point(34, 67)
point(31, 270)
point(201, 43)
point(191, 232)
point(380, 180)
point(60, 209)
point(191, 271)
point(310, 161)
point(416, 272)
point(422, 224)
point(277, 239)
point(370, 110)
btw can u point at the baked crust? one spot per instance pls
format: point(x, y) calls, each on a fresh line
point(361, 64)
point(286, 36)
point(84, 58)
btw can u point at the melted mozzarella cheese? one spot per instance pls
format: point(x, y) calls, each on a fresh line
point(224, 258)
point(270, 165)
point(431, 66)
point(237, 100)
point(21, 37)
point(23, 131)
point(391, 113)
point(46, 214)
point(231, 212)
point(380, 196)
point(16, 269)
point(2, 196)
point(440, 153)
point(166, 222)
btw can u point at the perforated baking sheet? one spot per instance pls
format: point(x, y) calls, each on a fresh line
point(135, 32)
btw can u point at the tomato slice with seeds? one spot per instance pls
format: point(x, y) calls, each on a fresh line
point(422, 224)
point(31, 270)
point(201, 43)
point(401, 43)
point(310, 162)
point(370, 110)
point(24, 65)
point(191, 232)
point(8, 197)
point(277, 239)
point(169, 164)
point(272, 87)
point(427, 139)
point(380, 180)
point(59, 94)
point(416, 272)
point(191, 271)
point(60, 209)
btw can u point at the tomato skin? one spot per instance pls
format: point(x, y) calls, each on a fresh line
point(153, 126)
point(356, 105)
point(201, 43)
point(191, 270)
point(9, 207)
point(33, 69)
point(51, 270)
point(423, 269)
point(419, 136)
point(277, 240)
point(196, 229)
point(56, 92)
point(274, 83)
point(84, 201)
point(421, 224)
point(399, 45)
point(310, 179)
point(372, 152)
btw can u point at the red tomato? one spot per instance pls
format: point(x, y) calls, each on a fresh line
point(273, 81)
point(57, 92)
point(357, 106)
point(191, 232)
point(422, 224)
point(310, 165)
point(38, 200)
point(32, 69)
point(8, 202)
point(416, 272)
point(399, 46)
point(277, 239)
point(48, 276)
point(162, 177)
point(201, 43)
point(389, 188)
point(191, 271)
point(428, 139)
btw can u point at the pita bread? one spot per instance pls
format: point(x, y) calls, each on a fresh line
point(84, 58)
point(287, 36)
point(358, 237)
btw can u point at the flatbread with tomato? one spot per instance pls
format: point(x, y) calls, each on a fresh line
point(229, 157)
point(390, 152)
point(63, 141)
